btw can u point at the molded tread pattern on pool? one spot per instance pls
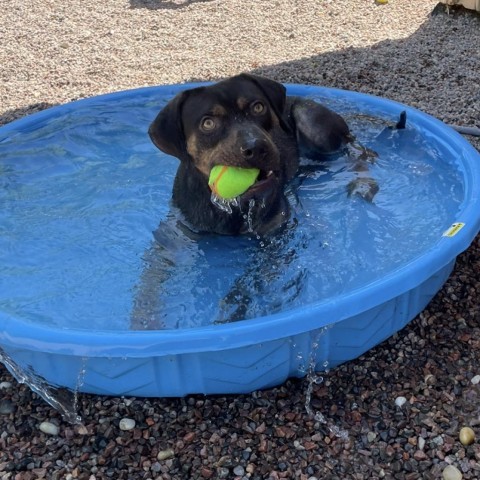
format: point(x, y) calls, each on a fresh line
point(237, 370)
point(377, 324)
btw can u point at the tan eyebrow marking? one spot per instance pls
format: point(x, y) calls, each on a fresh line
point(218, 110)
point(242, 103)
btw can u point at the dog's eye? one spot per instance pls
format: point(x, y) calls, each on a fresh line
point(258, 108)
point(208, 124)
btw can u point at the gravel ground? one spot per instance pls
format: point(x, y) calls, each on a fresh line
point(54, 51)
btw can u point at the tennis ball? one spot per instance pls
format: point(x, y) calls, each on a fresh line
point(230, 182)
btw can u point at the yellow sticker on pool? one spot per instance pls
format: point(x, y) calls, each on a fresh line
point(453, 230)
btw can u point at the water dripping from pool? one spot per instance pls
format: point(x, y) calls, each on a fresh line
point(61, 399)
point(314, 378)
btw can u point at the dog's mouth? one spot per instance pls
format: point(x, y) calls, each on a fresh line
point(262, 192)
point(266, 182)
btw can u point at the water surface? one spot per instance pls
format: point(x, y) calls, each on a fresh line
point(81, 194)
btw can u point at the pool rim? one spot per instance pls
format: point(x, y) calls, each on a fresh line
point(109, 343)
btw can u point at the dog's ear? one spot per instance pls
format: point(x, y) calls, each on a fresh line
point(275, 92)
point(166, 131)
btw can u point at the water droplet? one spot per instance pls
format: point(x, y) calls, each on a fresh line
point(223, 204)
point(251, 204)
point(319, 418)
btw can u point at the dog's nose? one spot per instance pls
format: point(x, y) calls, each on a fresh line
point(252, 148)
point(247, 152)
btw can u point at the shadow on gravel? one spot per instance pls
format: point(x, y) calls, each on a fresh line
point(164, 4)
point(418, 70)
point(11, 115)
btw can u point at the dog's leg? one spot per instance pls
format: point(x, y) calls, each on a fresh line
point(171, 249)
point(395, 134)
point(257, 291)
point(146, 310)
point(321, 132)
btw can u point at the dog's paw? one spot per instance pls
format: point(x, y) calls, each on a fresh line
point(361, 155)
point(230, 312)
point(365, 187)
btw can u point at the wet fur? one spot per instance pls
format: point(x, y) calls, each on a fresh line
point(273, 140)
point(289, 127)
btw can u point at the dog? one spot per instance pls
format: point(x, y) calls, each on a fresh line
point(247, 121)
point(244, 121)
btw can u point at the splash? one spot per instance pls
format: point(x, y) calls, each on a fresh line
point(313, 378)
point(225, 205)
point(249, 215)
point(61, 399)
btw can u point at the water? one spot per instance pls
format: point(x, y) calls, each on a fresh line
point(62, 399)
point(308, 365)
point(81, 195)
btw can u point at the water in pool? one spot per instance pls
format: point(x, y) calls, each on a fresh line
point(81, 194)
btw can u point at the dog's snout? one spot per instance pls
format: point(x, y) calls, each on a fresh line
point(247, 151)
point(253, 147)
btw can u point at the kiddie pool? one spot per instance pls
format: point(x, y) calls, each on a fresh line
point(251, 354)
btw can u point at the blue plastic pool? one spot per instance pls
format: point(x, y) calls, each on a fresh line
point(82, 189)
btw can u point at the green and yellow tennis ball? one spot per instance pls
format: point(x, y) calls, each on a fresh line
point(230, 182)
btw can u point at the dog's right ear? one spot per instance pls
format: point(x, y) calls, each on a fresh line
point(166, 131)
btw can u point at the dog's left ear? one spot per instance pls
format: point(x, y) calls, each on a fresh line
point(275, 92)
point(166, 131)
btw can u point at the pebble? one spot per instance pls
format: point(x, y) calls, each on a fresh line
point(49, 428)
point(6, 407)
point(165, 454)
point(239, 471)
point(421, 443)
point(5, 385)
point(475, 380)
point(127, 424)
point(82, 429)
point(451, 472)
point(400, 401)
point(466, 436)
point(223, 472)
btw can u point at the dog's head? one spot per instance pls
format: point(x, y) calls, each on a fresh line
point(237, 122)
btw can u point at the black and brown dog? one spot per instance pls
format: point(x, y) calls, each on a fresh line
point(246, 121)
